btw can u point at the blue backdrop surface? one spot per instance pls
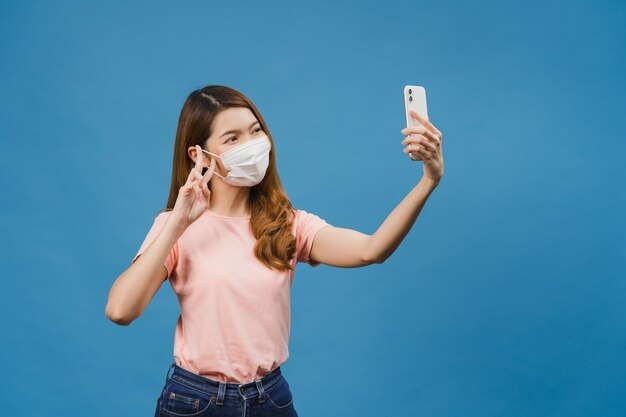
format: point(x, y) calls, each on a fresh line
point(505, 299)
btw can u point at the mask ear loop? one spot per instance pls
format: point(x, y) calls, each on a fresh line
point(215, 172)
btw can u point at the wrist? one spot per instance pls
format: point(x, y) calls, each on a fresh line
point(432, 182)
point(176, 224)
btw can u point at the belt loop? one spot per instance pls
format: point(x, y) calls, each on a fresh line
point(262, 393)
point(168, 372)
point(221, 391)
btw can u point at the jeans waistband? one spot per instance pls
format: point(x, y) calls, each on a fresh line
point(222, 390)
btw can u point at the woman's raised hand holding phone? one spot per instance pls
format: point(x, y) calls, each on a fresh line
point(425, 141)
point(194, 196)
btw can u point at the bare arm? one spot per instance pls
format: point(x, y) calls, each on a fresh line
point(136, 286)
point(346, 248)
point(350, 248)
point(397, 225)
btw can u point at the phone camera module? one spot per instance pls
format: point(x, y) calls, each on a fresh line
point(410, 91)
point(410, 98)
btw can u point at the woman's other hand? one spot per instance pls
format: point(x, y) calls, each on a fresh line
point(194, 196)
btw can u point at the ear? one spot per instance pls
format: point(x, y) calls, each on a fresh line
point(193, 155)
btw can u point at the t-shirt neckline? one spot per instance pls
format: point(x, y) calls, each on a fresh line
point(222, 216)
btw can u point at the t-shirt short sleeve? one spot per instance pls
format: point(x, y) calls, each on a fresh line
point(307, 225)
point(157, 225)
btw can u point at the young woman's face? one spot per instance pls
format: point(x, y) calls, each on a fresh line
point(231, 127)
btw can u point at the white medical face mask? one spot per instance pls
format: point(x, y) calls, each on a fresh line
point(247, 163)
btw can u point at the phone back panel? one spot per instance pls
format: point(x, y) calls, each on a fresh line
point(414, 98)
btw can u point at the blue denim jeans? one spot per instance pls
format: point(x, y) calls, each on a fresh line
point(186, 394)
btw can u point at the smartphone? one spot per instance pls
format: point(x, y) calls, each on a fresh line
point(414, 98)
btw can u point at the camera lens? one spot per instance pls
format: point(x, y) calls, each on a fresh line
point(410, 98)
point(410, 91)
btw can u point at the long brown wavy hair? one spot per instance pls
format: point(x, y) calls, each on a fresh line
point(271, 212)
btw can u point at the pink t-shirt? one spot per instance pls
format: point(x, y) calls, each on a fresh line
point(235, 314)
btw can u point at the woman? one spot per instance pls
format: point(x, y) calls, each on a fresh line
point(229, 246)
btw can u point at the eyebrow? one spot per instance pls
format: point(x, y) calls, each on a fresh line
point(237, 130)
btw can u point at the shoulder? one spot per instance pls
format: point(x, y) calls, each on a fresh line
point(299, 215)
point(305, 220)
point(304, 214)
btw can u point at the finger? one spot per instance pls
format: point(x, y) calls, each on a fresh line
point(199, 158)
point(196, 187)
point(411, 138)
point(416, 149)
point(415, 156)
point(186, 189)
point(424, 143)
point(423, 121)
point(427, 154)
point(193, 178)
point(432, 137)
point(209, 172)
point(414, 130)
point(190, 177)
point(413, 148)
point(415, 139)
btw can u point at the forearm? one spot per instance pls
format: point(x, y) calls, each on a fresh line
point(135, 287)
point(397, 225)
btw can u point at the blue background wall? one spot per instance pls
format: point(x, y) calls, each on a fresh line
point(505, 299)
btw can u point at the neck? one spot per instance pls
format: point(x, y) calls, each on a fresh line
point(228, 200)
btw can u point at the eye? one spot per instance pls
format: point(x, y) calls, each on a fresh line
point(230, 139)
point(258, 129)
